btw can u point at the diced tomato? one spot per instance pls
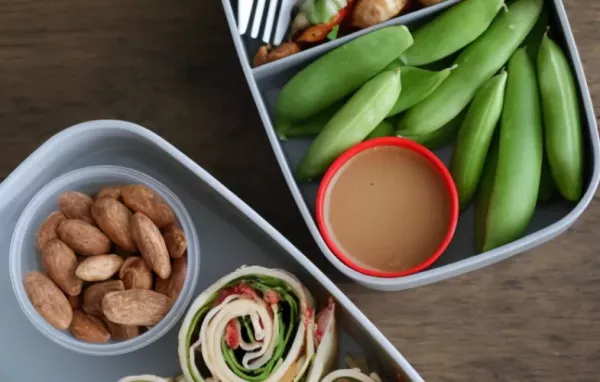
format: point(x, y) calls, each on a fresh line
point(271, 297)
point(337, 19)
point(242, 289)
point(223, 294)
point(318, 33)
point(323, 319)
point(246, 290)
point(308, 315)
point(232, 334)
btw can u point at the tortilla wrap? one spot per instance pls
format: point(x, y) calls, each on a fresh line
point(351, 375)
point(257, 324)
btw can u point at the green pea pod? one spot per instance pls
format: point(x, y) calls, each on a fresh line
point(312, 126)
point(516, 181)
point(534, 39)
point(484, 195)
point(417, 84)
point(451, 31)
point(308, 128)
point(532, 44)
point(562, 121)
point(340, 72)
point(396, 64)
point(440, 138)
point(351, 124)
point(384, 129)
point(476, 65)
point(474, 137)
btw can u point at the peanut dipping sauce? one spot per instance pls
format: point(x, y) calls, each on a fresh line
point(387, 209)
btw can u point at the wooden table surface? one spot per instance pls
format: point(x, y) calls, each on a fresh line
point(171, 66)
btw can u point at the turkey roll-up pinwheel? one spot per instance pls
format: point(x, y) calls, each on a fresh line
point(347, 375)
point(257, 324)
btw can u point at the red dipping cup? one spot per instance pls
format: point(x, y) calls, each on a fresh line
point(436, 164)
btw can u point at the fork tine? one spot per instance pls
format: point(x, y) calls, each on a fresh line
point(285, 15)
point(270, 20)
point(260, 8)
point(244, 11)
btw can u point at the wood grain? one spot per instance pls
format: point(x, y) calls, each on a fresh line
point(170, 66)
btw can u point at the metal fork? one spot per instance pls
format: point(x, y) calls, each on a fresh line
point(245, 11)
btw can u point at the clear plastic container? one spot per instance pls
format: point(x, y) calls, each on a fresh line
point(550, 220)
point(24, 257)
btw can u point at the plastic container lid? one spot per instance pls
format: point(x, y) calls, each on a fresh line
point(24, 257)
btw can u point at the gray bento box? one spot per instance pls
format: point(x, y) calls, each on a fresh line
point(549, 221)
point(230, 235)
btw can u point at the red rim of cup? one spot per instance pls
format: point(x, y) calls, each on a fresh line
point(379, 142)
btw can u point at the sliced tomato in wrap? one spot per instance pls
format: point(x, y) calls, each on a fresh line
point(257, 324)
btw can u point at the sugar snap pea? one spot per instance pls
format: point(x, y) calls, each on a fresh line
point(513, 195)
point(311, 127)
point(396, 64)
point(340, 72)
point(534, 39)
point(562, 123)
point(451, 31)
point(475, 135)
point(476, 64)
point(417, 84)
point(384, 129)
point(484, 195)
point(532, 44)
point(351, 124)
point(441, 137)
point(307, 128)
